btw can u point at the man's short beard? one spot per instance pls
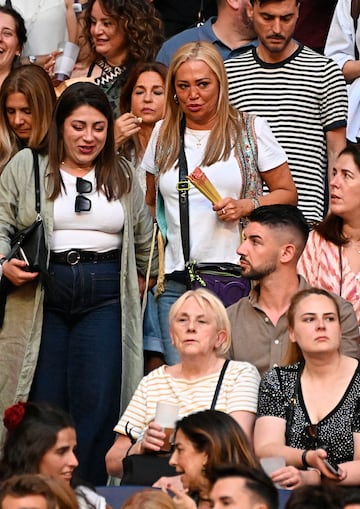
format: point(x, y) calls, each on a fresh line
point(260, 273)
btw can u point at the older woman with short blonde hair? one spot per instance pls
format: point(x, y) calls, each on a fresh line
point(200, 332)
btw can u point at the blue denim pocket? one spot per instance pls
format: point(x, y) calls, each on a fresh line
point(105, 284)
point(79, 288)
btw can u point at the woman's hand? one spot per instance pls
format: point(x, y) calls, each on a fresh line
point(125, 126)
point(230, 209)
point(16, 273)
point(142, 284)
point(181, 499)
point(165, 482)
point(289, 477)
point(49, 65)
point(315, 458)
point(153, 439)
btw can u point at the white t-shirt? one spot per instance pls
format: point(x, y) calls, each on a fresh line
point(45, 22)
point(211, 240)
point(99, 230)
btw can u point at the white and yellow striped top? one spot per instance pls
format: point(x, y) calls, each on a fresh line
point(239, 392)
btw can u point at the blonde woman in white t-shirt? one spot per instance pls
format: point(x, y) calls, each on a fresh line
point(200, 331)
point(236, 151)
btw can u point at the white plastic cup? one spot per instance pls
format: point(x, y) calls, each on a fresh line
point(166, 416)
point(65, 62)
point(271, 464)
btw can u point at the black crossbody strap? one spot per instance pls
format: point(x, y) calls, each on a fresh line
point(218, 385)
point(183, 188)
point(37, 180)
point(8, 4)
point(355, 12)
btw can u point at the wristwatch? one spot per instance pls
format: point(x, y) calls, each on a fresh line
point(32, 59)
point(2, 260)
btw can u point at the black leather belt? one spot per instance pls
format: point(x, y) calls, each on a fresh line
point(74, 256)
point(178, 275)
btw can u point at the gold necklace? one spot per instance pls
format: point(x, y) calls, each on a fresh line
point(199, 139)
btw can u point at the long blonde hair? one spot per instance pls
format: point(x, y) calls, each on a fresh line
point(34, 83)
point(229, 122)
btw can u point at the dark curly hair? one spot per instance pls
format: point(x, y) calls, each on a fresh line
point(143, 27)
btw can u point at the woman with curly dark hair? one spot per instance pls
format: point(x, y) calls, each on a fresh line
point(121, 33)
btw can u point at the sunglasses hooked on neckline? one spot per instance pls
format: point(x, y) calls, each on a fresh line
point(82, 203)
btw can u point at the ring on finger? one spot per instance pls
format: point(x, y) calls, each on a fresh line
point(223, 211)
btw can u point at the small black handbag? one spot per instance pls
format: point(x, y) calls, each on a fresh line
point(28, 244)
point(145, 469)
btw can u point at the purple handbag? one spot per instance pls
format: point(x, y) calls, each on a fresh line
point(223, 279)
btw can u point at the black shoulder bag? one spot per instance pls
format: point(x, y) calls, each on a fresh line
point(145, 469)
point(222, 278)
point(28, 245)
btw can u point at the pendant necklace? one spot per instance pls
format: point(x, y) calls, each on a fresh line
point(199, 138)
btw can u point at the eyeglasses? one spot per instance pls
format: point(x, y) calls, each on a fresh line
point(82, 203)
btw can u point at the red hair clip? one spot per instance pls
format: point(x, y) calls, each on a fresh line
point(13, 415)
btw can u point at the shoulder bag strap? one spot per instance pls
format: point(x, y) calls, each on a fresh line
point(37, 180)
point(355, 12)
point(8, 4)
point(37, 197)
point(218, 385)
point(183, 188)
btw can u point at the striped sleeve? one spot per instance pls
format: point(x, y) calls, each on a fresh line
point(302, 98)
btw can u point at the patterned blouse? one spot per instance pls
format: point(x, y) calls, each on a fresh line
point(111, 80)
point(324, 266)
point(280, 395)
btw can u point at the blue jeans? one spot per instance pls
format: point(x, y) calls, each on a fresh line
point(151, 326)
point(173, 290)
point(79, 365)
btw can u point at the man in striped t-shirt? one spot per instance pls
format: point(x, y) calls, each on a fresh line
point(302, 95)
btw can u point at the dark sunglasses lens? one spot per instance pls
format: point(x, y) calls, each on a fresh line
point(312, 430)
point(83, 186)
point(82, 204)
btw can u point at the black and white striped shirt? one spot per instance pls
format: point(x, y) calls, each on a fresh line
point(302, 98)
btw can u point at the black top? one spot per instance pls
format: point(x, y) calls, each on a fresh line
point(179, 16)
point(280, 395)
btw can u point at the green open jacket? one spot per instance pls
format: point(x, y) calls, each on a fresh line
point(21, 332)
